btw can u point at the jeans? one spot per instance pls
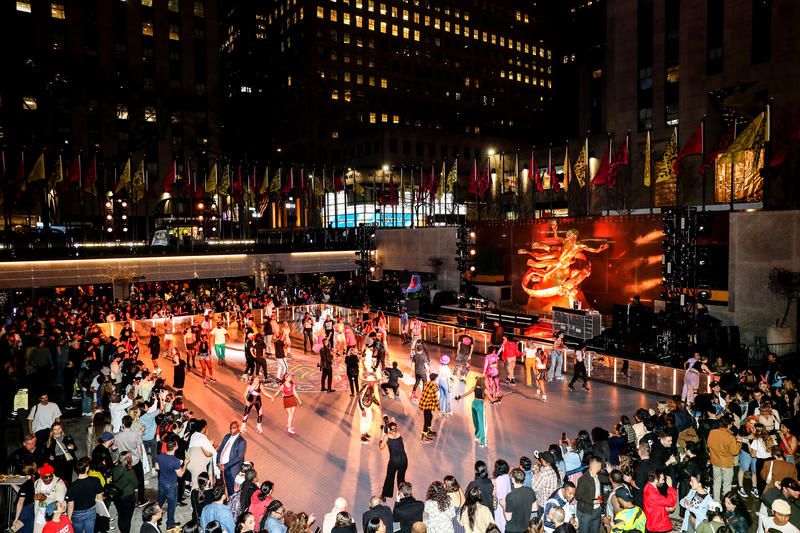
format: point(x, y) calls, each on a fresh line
point(723, 477)
point(589, 522)
point(555, 366)
point(308, 340)
point(83, 521)
point(125, 508)
point(86, 402)
point(444, 396)
point(169, 495)
point(462, 366)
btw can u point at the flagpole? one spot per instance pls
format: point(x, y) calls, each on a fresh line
point(587, 174)
point(677, 176)
point(649, 159)
point(703, 159)
point(627, 205)
point(608, 177)
point(733, 162)
point(147, 201)
point(401, 195)
point(767, 155)
point(531, 175)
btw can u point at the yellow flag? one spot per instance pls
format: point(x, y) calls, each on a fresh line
point(751, 138)
point(225, 184)
point(664, 168)
point(137, 184)
point(275, 184)
point(58, 175)
point(442, 178)
point(211, 184)
point(264, 184)
point(647, 163)
point(125, 179)
point(452, 177)
point(37, 172)
point(567, 169)
point(580, 167)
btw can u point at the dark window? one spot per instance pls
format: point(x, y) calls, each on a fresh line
point(420, 149)
point(715, 30)
point(762, 30)
point(406, 147)
point(393, 146)
point(672, 32)
point(431, 150)
point(644, 40)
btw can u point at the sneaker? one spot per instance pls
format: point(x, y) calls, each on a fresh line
point(432, 433)
point(754, 493)
point(259, 429)
point(741, 492)
point(587, 389)
point(213, 379)
point(572, 388)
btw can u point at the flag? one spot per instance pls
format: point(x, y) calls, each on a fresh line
point(58, 175)
point(237, 188)
point(338, 182)
point(91, 178)
point(74, 171)
point(452, 177)
point(225, 184)
point(581, 165)
point(440, 184)
point(275, 184)
point(138, 184)
point(555, 186)
point(318, 187)
point(664, 168)
point(37, 172)
point(211, 184)
point(621, 159)
point(472, 186)
point(533, 173)
point(249, 196)
point(125, 179)
point(392, 191)
point(647, 163)
point(264, 189)
point(198, 192)
point(693, 147)
point(432, 185)
point(303, 186)
point(751, 138)
point(289, 185)
point(779, 156)
point(169, 180)
point(484, 183)
point(603, 174)
point(567, 169)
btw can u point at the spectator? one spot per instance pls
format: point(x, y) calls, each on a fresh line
point(81, 498)
point(520, 504)
point(656, 504)
point(218, 511)
point(407, 510)
point(723, 448)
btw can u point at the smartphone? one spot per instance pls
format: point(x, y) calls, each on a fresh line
point(563, 437)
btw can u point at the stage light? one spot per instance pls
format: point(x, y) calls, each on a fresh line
point(109, 230)
point(372, 269)
point(109, 217)
point(108, 205)
point(124, 203)
point(472, 251)
point(386, 168)
point(201, 206)
point(472, 268)
point(471, 234)
point(124, 217)
point(491, 152)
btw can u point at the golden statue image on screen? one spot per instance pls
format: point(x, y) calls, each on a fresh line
point(557, 267)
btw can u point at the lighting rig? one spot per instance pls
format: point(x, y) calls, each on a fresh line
point(465, 253)
point(365, 238)
point(115, 221)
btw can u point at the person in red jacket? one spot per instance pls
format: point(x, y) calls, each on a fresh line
point(509, 351)
point(657, 506)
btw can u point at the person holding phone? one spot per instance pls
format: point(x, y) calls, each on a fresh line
point(398, 460)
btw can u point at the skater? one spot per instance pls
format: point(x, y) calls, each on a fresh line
point(445, 375)
point(352, 364)
point(580, 369)
point(220, 336)
point(428, 403)
point(509, 351)
point(478, 412)
point(188, 342)
point(154, 344)
point(541, 374)
point(492, 373)
point(204, 358)
point(466, 345)
point(556, 357)
point(398, 460)
point(419, 356)
point(290, 400)
point(393, 376)
point(368, 400)
point(252, 396)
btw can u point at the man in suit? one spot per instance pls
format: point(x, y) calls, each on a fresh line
point(230, 455)
point(151, 514)
point(408, 509)
point(377, 510)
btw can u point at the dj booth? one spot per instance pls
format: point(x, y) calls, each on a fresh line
point(577, 323)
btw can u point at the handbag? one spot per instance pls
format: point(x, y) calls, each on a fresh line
point(67, 456)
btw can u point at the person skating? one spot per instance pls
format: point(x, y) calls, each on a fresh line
point(428, 403)
point(580, 369)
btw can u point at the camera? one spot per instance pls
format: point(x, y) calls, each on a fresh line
point(385, 425)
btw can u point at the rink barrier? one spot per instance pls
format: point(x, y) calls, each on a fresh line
point(606, 368)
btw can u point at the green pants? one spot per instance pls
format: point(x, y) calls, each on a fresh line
point(219, 349)
point(479, 421)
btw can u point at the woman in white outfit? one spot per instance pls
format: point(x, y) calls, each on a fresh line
point(200, 452)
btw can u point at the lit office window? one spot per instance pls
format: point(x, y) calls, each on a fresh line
point(359, 22)
point(372, 81)
point(24, 6)
point(29, 103)
point(150, 114)
point(394, 12)
point(416, 35)
point(384, 83)
point(174, 32)
point(57, 11)
point(383, 9)
point(147, 28)
point(395, 31)
point(347, 95)
point(371, 24)
point(405, 15)
point(371, 5)
point(347, 76)
point(360, 79)
point(406, 33)
point(174, 6)
point(334, 15)
point(384, 117)
point(373, 118)
point(320, 12)
point(199, 8)
point(383, 27)
point(395, 119)
point(346, 18)
point(147, 3)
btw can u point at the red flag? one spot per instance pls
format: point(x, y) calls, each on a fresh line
point(90, 178)
point(289, 185)
point(169, 181)
point(237, 186)
point(197, 188)
point(303, 186)
point(422, 185)
point(555, 183)
point(74, 172)
point(392, 191)
point(693, 147)
point(433, 183)
point(533, 173)
point(621, 158)
point(483, 182)
point(779, 156)
point(603, 177)
point(338, 182)
point(711, 157)
point(472, 188)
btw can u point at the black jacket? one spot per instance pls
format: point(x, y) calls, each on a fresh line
point(381, 511)
point(406, 512)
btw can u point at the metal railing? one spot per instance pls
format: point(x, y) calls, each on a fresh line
point(634, 374)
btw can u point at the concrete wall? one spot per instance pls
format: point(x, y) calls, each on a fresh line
point(25, 274)
point(412, 250)
point(760, 241)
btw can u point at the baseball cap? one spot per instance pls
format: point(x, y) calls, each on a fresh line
point(624, 494)
point(106, 436)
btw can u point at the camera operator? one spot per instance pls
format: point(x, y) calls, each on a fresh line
point(398, 460)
